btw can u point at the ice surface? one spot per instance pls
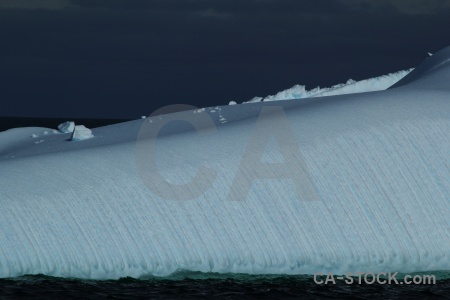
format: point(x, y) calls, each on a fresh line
point(19, 138)
point(431, 74)
point(350, 87)
point(380, 163)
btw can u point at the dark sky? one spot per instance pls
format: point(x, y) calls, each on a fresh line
point(127, 58)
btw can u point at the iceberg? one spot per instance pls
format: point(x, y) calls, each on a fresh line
point(350, 87)
point(344, 183)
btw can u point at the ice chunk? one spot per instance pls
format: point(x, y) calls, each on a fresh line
point(66, 127)
point(81, 133)
point(350, 87)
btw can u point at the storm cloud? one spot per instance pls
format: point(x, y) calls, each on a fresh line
point(123, 59)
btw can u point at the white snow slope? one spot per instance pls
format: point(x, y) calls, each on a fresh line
point(379, 163)
point(350, 87)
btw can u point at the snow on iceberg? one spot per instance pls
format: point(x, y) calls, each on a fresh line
point(350, 87)
point(18, 138)
point(378, 161)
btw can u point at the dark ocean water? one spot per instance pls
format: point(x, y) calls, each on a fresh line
point(193, 285)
